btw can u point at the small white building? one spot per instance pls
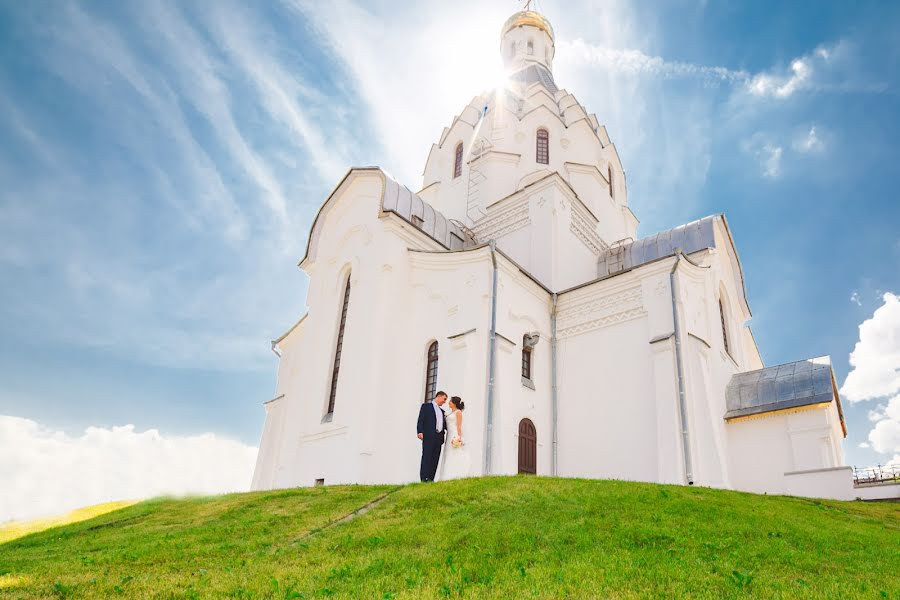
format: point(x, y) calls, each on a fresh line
point(515, 278)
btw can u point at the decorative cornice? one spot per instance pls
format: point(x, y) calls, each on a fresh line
point(510, 218)
point(584, 226)
point(600, 310)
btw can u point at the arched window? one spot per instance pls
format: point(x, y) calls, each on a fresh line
point(338, 350)
point(543, 147)
point(530, 47)
point(526, 357)
point(457, 162)
point(512, 49)
point(609, 172)
point(431, 371)
point(724, 327)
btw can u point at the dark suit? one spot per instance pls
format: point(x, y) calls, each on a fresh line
point(431, 440)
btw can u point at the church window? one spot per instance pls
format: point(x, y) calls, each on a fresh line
point(338, 350)
point(457, 163)
point(530, 47)
point(543, 147)
point(418, 221)
point(609, 173)
point(724, 327)
point(431, 371)
point(526, 358)
point(512, 49)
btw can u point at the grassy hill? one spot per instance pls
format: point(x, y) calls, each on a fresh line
point(512, 537)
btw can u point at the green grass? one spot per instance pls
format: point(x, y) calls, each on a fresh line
point(513, 537)
point(17, 529)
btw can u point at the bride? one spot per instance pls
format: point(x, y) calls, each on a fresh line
point(456, 455)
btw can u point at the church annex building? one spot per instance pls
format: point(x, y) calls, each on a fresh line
point(515, 278)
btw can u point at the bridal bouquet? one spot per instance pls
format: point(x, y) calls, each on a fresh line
point(456, 442)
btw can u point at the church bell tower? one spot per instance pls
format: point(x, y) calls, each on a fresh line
point(526, 39)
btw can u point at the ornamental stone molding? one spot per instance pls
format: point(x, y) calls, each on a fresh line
point(599, 310)
point(506, 221)
point(583, 225)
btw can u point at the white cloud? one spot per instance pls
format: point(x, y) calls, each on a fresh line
point(876, 357)
point(46, 472)
point(854, 298)
point(785, 84)
point(810, 142)
point(885, 436)
point(834, 68)
point(770, 156)
point(877, 413)
point(767, 152)
point(864, 445)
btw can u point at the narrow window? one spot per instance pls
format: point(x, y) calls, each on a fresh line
point(457, 163)
point(526, 358)
point(338, 350)
point(512, 49)
point(609, 172)
point(724, 327)
point(543, 147)
point(417, 221)
point(530, 48)
point(431, 372)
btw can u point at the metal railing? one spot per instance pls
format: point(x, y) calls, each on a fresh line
point(876, 474)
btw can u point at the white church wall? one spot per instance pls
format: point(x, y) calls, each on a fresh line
point(608, 409)
point(767, 447)
point(706, 371)
point(452, 298)
point(523, 308)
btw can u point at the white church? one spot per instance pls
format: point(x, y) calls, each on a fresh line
point(515, 278)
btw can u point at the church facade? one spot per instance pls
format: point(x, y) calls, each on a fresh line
point(515, 279)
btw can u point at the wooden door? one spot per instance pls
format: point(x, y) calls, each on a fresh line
point(527, 447)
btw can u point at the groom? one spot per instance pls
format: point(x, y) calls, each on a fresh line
point(431, 426)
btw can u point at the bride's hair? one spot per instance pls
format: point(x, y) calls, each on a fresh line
point(458, 403)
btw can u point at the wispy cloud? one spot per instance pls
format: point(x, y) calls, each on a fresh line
point(828, 68)
point(809, 142)
point(189, 58)
point(767, 152)
point(636, 62)
point(89, 53)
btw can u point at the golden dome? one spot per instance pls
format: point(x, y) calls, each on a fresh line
point(527, 17)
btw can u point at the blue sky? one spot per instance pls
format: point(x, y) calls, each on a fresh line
point(161, 163)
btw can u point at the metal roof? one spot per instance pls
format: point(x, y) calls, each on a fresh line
point(786, 386)
point(535, 73)
point(398, 199)
point(690, 237)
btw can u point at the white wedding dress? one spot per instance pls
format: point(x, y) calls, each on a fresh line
point(455, 464)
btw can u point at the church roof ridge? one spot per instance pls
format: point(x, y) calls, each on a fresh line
point(399, 200)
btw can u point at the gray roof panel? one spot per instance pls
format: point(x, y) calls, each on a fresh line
point(403, 203)
point(791, 385)
point(691, 237)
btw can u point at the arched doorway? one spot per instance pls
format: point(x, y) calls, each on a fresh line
point(527, 447)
